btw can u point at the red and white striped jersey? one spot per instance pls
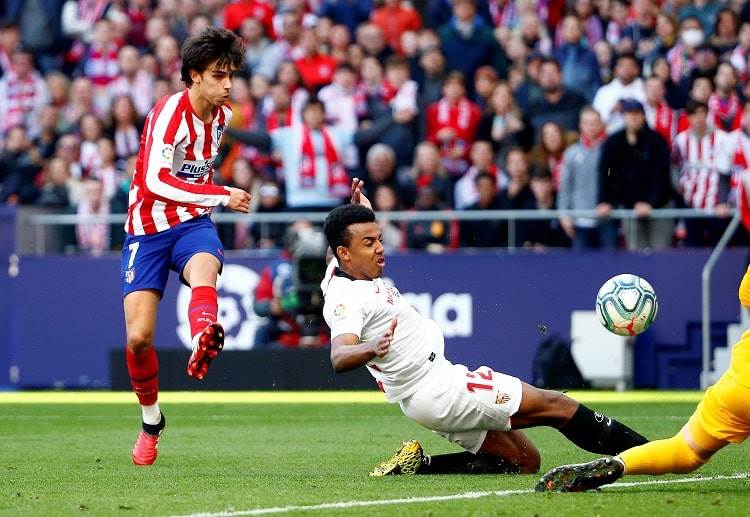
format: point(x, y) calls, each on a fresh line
point(700, 161)
point(173, 174)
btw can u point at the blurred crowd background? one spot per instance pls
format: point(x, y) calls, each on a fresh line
point(449, 105)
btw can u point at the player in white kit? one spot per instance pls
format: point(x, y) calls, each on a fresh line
point(483, 411)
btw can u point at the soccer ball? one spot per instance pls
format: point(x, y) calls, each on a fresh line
point(626, 305)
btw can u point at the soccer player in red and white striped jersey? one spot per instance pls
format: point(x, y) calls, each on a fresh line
point(169, 225)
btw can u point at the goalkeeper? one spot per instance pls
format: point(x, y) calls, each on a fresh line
point(483, 411)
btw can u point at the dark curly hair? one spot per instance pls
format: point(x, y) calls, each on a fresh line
point(336, 225)
point(212, 44)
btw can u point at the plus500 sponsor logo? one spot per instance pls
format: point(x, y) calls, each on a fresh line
point(194, 170)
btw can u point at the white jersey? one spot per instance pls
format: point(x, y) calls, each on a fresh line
point(173, 175)
point(365, 308)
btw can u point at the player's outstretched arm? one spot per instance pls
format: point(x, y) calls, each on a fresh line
point(347, 353)
point(239, 200)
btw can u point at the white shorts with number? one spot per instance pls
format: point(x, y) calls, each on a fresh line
point(462, 406)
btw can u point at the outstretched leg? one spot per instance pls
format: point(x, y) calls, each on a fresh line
point(587, 429)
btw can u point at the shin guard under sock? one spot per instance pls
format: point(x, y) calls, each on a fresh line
point(144, 375)
point(599, 434)
point(203, 308)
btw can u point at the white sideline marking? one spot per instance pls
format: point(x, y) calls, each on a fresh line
point(465, 495)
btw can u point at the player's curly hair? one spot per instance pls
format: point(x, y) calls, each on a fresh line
point(212, 44)
point(336, 225)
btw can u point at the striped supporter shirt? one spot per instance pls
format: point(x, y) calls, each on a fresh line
point(173, 175)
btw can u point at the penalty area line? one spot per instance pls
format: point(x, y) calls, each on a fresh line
point(428, 499)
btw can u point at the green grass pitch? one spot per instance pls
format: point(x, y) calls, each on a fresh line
point(234, 454)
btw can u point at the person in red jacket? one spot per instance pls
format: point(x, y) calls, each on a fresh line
point(452, 124)
point(236, 11)
point(394, 18)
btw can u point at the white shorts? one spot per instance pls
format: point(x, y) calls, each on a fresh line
point(462, 406)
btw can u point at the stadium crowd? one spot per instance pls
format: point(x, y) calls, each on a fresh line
point(438, 104)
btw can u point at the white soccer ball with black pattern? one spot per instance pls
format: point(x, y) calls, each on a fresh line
point(626, 305)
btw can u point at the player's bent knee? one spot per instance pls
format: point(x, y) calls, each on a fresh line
point(687, 460)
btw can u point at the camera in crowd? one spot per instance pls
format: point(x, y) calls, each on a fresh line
point(308, 247)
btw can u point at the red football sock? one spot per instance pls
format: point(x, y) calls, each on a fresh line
point(203, 308)
point(144, 375)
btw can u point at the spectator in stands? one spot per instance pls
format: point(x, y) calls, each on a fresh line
point(380, 169)
point(344, 106)
point(431, 235)
point(385, 199)
point(433, 73)
point(634, 174)
point(315, 68)
point(502, 123)
point(666, 30)
point(532, 33)
point(725, 32)
point(19, 166)
point(136, 13)
point(105, 167)
point(557, 103)
point(77, 21)
point(92, 228)
point(350, 13)
point(626, 84)
point(724, 104)
point(256, 41)
point(372, 40)
point(468, 43)
point(270, 201)
point(485, 79)
point(482, 160)
point(517, 194)
point(236, 235)
point(394, 102)
point(167, 54)
point(702, 157)
point(428, 168)
point(580, 69)
point(579, 186)
point(314, 175)
point(39, 30)
point(681, 56)
point(394, 18)
point(99, 62)
point(133, 80)
point(124, 126)
point(617, 18)
point(371, 78)
point(23, 95)
point(91, 129)
point(540, 234)
point(46, 140)
point(491, 232)
point(738, 56)
point(69, 147)
point(659, 115)
point(236, 12)
point(54, 190)
point(662, 69)
point(284, 48)
point(452, 124)
point(439, 12)
point(706, 11)
point(339, 40)
point(10, 42)
point(288, 74)
point(640, 34)
point(547, 155)
point(592, 24)
point(80, 101)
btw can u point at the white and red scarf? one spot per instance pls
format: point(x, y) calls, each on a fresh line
point(338, 179)
point(458, 116)
point(726, 114)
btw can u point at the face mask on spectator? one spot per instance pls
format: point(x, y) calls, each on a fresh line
point(693, 37)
